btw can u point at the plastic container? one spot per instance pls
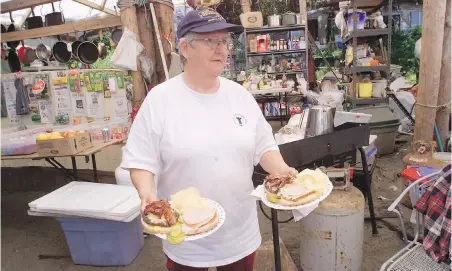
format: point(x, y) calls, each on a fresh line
point(383, 123)
point(365, 90)
point(379, 88)
point(100, 242)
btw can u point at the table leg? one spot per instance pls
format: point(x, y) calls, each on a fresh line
point(74, 167)
point(276, 248)
point(368, 190)
point(93, 159)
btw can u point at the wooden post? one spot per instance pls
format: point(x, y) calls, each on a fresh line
point(129, 21)
point(443, 114)
point(147, 37)
point(246, 6)
point(430, 68)
point(303, 13)
point(165, 19)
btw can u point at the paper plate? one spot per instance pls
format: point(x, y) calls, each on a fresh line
point(221, 218)
point(327, 192)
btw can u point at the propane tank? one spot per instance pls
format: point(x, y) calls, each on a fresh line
point(332, 235)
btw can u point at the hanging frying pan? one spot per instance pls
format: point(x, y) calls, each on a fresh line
point(61, 52)
point(12, 28)
point(33, 21)
point(74, 47)
point(13, 61)
point(87, 52)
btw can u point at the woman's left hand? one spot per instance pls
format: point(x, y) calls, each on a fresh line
point(290, 171)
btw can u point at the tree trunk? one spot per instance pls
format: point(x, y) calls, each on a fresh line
point(129, 21)
point(443, 114)
point(147, 36)
point(165, 19)
point(430, 68)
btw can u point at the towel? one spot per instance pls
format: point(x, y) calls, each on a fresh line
point(298, 214)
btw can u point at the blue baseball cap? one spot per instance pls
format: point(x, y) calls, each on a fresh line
point(204, 20)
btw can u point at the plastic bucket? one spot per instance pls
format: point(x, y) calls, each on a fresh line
point(365, 90)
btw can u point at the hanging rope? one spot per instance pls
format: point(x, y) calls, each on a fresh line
point(438, 107)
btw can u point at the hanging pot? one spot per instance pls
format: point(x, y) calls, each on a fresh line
point(101, 47)
point(88, 52)
point(54, 18)
point(33, 21)
point(12, 28)
point(43, 52)
point(289, 18)
point(13, 61)
point(23, 56)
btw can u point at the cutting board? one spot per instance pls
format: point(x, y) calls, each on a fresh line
point(84, 197)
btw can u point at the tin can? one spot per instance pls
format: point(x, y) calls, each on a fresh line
point(106, 134)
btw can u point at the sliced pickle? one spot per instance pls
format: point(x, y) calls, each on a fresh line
point(175, 240)
point(175, 231)
point(272, 199)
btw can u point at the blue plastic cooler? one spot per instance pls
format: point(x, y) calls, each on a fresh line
point(101, 242)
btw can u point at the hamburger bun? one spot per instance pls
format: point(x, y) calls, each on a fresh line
point(212, 223)
point(154, 229)
point(310, 197)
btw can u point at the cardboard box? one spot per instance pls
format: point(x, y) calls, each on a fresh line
point(64, 146)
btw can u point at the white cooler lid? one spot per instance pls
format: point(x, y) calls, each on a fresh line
point(89, 198)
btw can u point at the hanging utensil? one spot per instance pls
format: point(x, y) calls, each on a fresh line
point(54, 18)
point(12, 28)
point(101, 47)
point(43, 52)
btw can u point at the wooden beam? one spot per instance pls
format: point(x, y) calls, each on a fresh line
point(13, 5)
point(79, 26)
point(96, 6)
point(434, 13)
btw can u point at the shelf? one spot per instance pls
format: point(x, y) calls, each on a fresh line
point(358, 101)
point(286, 72)
point(270, 91)
point(283, 117)
point(274, 29)
point(358, 69)
point(298, 51)
point(367, 33)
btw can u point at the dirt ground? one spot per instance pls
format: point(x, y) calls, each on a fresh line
point(24, 237)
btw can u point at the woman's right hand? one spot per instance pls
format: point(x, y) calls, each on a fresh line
point(145, 201)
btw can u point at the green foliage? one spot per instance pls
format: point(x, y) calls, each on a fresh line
point(402, 51)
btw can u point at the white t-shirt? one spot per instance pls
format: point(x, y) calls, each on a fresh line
point(210, 142)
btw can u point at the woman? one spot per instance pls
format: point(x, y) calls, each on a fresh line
point(200, 130)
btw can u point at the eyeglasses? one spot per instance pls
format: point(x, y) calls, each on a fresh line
point(214, 42)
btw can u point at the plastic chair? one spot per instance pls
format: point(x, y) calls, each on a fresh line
point(413, 255)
